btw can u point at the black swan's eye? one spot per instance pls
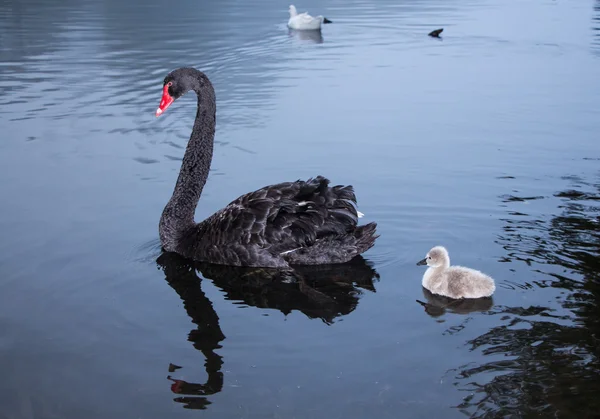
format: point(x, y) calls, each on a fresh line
point(170, 84)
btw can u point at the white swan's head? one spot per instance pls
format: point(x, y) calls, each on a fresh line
point(293, 11)
point(436, 257)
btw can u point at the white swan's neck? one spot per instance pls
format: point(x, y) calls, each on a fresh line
point(293, 11)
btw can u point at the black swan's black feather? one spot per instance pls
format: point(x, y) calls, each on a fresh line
point(283, 223)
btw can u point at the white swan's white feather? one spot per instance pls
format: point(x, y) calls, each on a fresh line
point(303, 21)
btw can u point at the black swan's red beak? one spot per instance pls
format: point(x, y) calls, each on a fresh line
point(165, 102)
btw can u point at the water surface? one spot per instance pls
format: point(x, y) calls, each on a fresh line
point(485, 141)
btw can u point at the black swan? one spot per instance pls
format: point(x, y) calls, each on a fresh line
point(292, 223)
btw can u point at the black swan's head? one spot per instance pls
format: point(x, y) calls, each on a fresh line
point(179, 82)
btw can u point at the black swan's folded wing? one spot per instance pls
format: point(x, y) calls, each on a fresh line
point(284, 216)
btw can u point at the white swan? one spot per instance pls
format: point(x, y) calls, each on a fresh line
point(454, 281)
point(304, 21)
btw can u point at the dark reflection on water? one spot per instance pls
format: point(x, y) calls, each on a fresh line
point(319, 292)
point(546, 356)
point(438, 305)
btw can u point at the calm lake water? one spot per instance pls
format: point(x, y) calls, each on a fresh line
point(485, 141)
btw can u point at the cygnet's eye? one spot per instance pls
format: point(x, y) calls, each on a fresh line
point(428, 257)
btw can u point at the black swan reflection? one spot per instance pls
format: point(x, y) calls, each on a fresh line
point(323, 292)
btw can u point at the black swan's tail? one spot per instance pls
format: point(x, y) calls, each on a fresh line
point(365, 237)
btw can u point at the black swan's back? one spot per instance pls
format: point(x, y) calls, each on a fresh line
point(302, 222)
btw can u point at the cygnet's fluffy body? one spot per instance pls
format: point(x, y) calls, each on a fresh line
point(454, 281)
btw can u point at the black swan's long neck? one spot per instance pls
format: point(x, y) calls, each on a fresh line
point(178, 214)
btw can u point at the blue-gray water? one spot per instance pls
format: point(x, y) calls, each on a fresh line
point(485, 141)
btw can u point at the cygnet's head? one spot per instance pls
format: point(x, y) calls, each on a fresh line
point(293, 11)
point(436, 257)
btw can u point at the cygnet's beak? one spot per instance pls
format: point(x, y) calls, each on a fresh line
point(422, 262)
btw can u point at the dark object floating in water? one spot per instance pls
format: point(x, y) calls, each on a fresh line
point(436, 33)
point(325, 20)
point(173, 367)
